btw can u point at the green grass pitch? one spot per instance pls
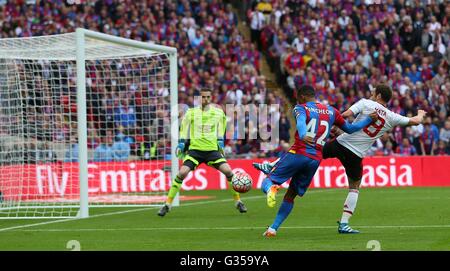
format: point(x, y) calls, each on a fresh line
point(396, 218)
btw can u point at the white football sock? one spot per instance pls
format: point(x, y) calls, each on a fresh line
point(349, 205)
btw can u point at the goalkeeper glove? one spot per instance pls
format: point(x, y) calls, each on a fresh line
point(180, 147)
point(221, 144)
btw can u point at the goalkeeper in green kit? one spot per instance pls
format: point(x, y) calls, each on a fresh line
point(202, 141)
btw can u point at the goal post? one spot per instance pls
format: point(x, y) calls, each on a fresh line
point(82, 124)
point(106, 145)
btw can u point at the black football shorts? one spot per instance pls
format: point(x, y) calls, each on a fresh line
point(351, 162)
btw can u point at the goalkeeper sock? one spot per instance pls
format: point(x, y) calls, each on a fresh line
point(176, 185)
point(283, 212)
point(266, 184)
point(349, 205)
point(235, 194)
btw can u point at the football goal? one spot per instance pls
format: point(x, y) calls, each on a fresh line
point(86, 120)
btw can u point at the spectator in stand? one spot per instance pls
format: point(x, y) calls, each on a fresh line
point(285, 127)
point(294, 63)
point(344, 20)
point(440, 77)
point(433, 127)
point(71, 154)
point(444, 135)
point(405, 148)
point(442, 149)
point(125, 114)
point(162, 149)
point(341, 104)
point(121, 149)
point(49, 153)
point(92, 137)
point(197, 39)
point(388, 150)
point(253, 153)
point(257, 22)
point(416, 133)
point(104, 152)
point(427, 140)
point(381, 143)
point(364, 58)
point(125, 135)
point(413, 74)
point(300, 42)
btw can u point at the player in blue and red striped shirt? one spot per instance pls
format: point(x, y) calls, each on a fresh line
point(314, 121)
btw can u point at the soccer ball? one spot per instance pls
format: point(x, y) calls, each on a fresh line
point(242, 182)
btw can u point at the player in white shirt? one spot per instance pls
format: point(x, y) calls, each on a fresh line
point(350, 149)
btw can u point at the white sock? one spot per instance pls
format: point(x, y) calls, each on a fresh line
point(349, 205)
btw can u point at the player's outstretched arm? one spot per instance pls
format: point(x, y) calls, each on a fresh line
point(350, 128)
point(356, 126)
point(418, 119)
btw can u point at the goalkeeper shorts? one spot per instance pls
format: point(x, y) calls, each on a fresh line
point(212, 158)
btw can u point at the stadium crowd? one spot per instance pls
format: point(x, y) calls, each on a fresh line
point(212, 53)
point(344, 48)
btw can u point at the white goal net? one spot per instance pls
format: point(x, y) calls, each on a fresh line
point(111, 139)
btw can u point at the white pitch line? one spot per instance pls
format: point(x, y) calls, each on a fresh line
point(136, 210)
point(229, 228)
